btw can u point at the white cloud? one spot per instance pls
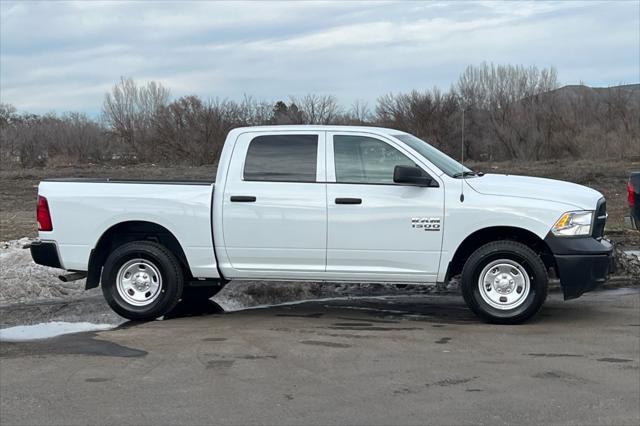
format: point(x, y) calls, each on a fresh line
point(64, 56)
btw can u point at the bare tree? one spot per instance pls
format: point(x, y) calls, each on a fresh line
point(129, 110)
point(359, 113)
point(282, 113)
point(431, 115)
point(8, 116)
point(318, 109)
point(509, 94)
point(511, 112)
point(253, 112)
point(191, 131)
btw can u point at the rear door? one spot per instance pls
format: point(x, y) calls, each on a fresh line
point(379, 230)
point(274, 209)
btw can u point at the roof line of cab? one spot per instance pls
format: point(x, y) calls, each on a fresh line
point(314, 127)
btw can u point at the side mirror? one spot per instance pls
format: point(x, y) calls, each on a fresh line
point(411, 175)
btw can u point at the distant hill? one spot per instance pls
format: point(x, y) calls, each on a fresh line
point(628, 92)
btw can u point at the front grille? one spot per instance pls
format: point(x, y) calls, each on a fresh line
point(600, 219)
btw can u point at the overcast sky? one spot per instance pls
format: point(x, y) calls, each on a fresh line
point(59, 56)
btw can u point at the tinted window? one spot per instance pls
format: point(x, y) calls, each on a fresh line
point(360, 159)
point(286, 158)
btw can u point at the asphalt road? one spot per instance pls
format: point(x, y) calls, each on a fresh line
point(413, 360)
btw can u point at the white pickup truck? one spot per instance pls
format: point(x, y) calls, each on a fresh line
point(326, 203)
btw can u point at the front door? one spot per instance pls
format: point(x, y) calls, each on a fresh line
point(379, 230)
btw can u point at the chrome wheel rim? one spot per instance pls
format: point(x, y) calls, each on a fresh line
point(504, 284)
point(139, 282)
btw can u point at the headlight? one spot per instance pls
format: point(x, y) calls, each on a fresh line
point(573, 224)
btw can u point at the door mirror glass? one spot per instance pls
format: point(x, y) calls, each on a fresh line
point(411, 175)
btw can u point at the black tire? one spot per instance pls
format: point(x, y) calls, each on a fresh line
point(170, 284)
point(197, 294)
point(511, 251)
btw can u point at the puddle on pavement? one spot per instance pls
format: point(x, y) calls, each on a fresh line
point(47, 330)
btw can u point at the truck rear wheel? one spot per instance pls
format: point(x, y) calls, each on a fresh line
point(504, 282)
point(142, 280)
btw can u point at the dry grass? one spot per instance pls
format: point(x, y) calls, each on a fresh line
point(18, 188)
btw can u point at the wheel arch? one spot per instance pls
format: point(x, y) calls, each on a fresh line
point(496, 233)
point(124, 232)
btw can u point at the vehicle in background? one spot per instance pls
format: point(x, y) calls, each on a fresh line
point(326, 203)
point(632, 220)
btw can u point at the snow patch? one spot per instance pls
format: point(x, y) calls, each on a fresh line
point(21, 280)
point(46, 330)
point(635, 253)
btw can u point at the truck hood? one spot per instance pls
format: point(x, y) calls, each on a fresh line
point(572, 194)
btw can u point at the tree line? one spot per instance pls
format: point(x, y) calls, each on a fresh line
point(509, 113)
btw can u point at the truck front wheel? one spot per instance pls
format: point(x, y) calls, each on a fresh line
point(504, 282)
point(142, 280)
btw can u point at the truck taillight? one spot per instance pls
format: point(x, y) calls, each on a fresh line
point(43, 215)
point(630, 195)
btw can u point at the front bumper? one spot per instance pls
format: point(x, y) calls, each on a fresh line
point(582, 264)
point(45, 253)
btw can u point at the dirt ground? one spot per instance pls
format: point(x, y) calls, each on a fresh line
point(18, 188)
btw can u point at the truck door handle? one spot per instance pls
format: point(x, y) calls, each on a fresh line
point(243, 199)
point(348, 200)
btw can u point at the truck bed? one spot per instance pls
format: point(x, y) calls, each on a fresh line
point(82, 210)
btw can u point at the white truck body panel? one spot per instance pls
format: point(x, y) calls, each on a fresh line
point(480, 211)
point(385, 245)
point(283, 232)
point(537, 189)
point(83, 211)
point(295, 230)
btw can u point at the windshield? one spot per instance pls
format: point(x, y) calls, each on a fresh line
point(439, 159)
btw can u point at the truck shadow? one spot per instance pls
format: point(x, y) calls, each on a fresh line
point(421, 308)
point(426, 309)
point(382, 308)
point(191, 309)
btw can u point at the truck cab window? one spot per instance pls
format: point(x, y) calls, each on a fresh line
point(282, 158)
point(361, 159)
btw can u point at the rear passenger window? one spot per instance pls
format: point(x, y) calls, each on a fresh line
point(282, 158)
